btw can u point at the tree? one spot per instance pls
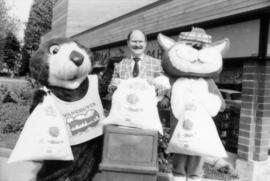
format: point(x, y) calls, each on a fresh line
point(12, 51)
point(39, 23)
point(3, 18)
point(7, 24)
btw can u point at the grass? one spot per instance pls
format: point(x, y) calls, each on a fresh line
point(13, 114)
point(8, 140)
point(13, 83)
point(212, 172)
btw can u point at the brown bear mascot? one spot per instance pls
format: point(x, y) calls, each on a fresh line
point(63, 67)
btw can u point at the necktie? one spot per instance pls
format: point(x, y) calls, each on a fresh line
point(136, 67)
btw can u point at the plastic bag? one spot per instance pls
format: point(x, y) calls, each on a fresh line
point(196, 134)
point(162, 81)
point(44, 136)
point(134, 104)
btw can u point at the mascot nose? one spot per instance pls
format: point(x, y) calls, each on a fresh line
point(76, 58)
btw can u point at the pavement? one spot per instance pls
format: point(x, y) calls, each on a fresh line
point(21, 171)
point(26, 171)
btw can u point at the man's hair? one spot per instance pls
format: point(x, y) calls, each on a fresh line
point(130, 33)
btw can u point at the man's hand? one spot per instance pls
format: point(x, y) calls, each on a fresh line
point(160, 89)
point(151, 81)
point(112, 88)
point(164, 103)
point(116, 82)
point(113, 85)
point(162, 85)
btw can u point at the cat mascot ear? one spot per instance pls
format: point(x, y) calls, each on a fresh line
point(165, 42)
point(222, 46)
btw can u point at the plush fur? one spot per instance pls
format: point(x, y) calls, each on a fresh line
point(193, 65)
point(194, 97)
point(184, 60)
point(62, 65)
point(52, 66)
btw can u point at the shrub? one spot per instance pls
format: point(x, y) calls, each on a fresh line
point(10, 98)
point(12, 127)
point(15, 100)
point(164, 159)
point(31, 82)
point(7, 95)
point(12, 93)
point(3, 91)
point(12, 117)
point(24, 95)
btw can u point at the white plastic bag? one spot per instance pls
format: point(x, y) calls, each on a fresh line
point(196, 134)
point(134, 104)
point(44, 136)
point(162, 81)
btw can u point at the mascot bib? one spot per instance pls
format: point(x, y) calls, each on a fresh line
point(83, 118)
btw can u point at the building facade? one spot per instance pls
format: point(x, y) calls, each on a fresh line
point(246, 65)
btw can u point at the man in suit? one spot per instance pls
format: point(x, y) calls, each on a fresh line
point(138, 64)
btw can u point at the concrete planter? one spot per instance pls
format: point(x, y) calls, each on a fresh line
point(129, 154)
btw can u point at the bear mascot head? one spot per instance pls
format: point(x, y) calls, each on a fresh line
point(62, 65)
point(193, 61)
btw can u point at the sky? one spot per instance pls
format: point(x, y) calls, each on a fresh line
point(21, 10)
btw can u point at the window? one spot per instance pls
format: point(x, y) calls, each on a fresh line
point(244, 38)
point(268, 42)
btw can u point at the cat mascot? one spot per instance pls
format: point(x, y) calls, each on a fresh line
point(193, 61)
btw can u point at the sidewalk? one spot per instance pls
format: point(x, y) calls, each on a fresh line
point(161, 177)
point(21, 171)
point(26, 171)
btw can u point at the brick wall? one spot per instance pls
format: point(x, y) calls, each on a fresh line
point(262, 128)
point(254, 126)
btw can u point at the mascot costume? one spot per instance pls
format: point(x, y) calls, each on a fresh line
point(62, 66)
point(193, 61)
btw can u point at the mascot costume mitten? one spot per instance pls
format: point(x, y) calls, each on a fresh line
point(193, 61)
point(62, 66)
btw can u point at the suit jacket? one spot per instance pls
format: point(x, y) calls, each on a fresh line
point(149, 68)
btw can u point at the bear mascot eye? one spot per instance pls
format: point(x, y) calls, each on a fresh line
point(54, 49)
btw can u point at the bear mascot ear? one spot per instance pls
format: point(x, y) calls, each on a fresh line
point(222, 46)
point(165, 42)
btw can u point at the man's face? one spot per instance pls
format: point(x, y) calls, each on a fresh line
point(137, 43)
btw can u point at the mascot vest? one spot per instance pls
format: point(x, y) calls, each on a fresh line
point(83, 117)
